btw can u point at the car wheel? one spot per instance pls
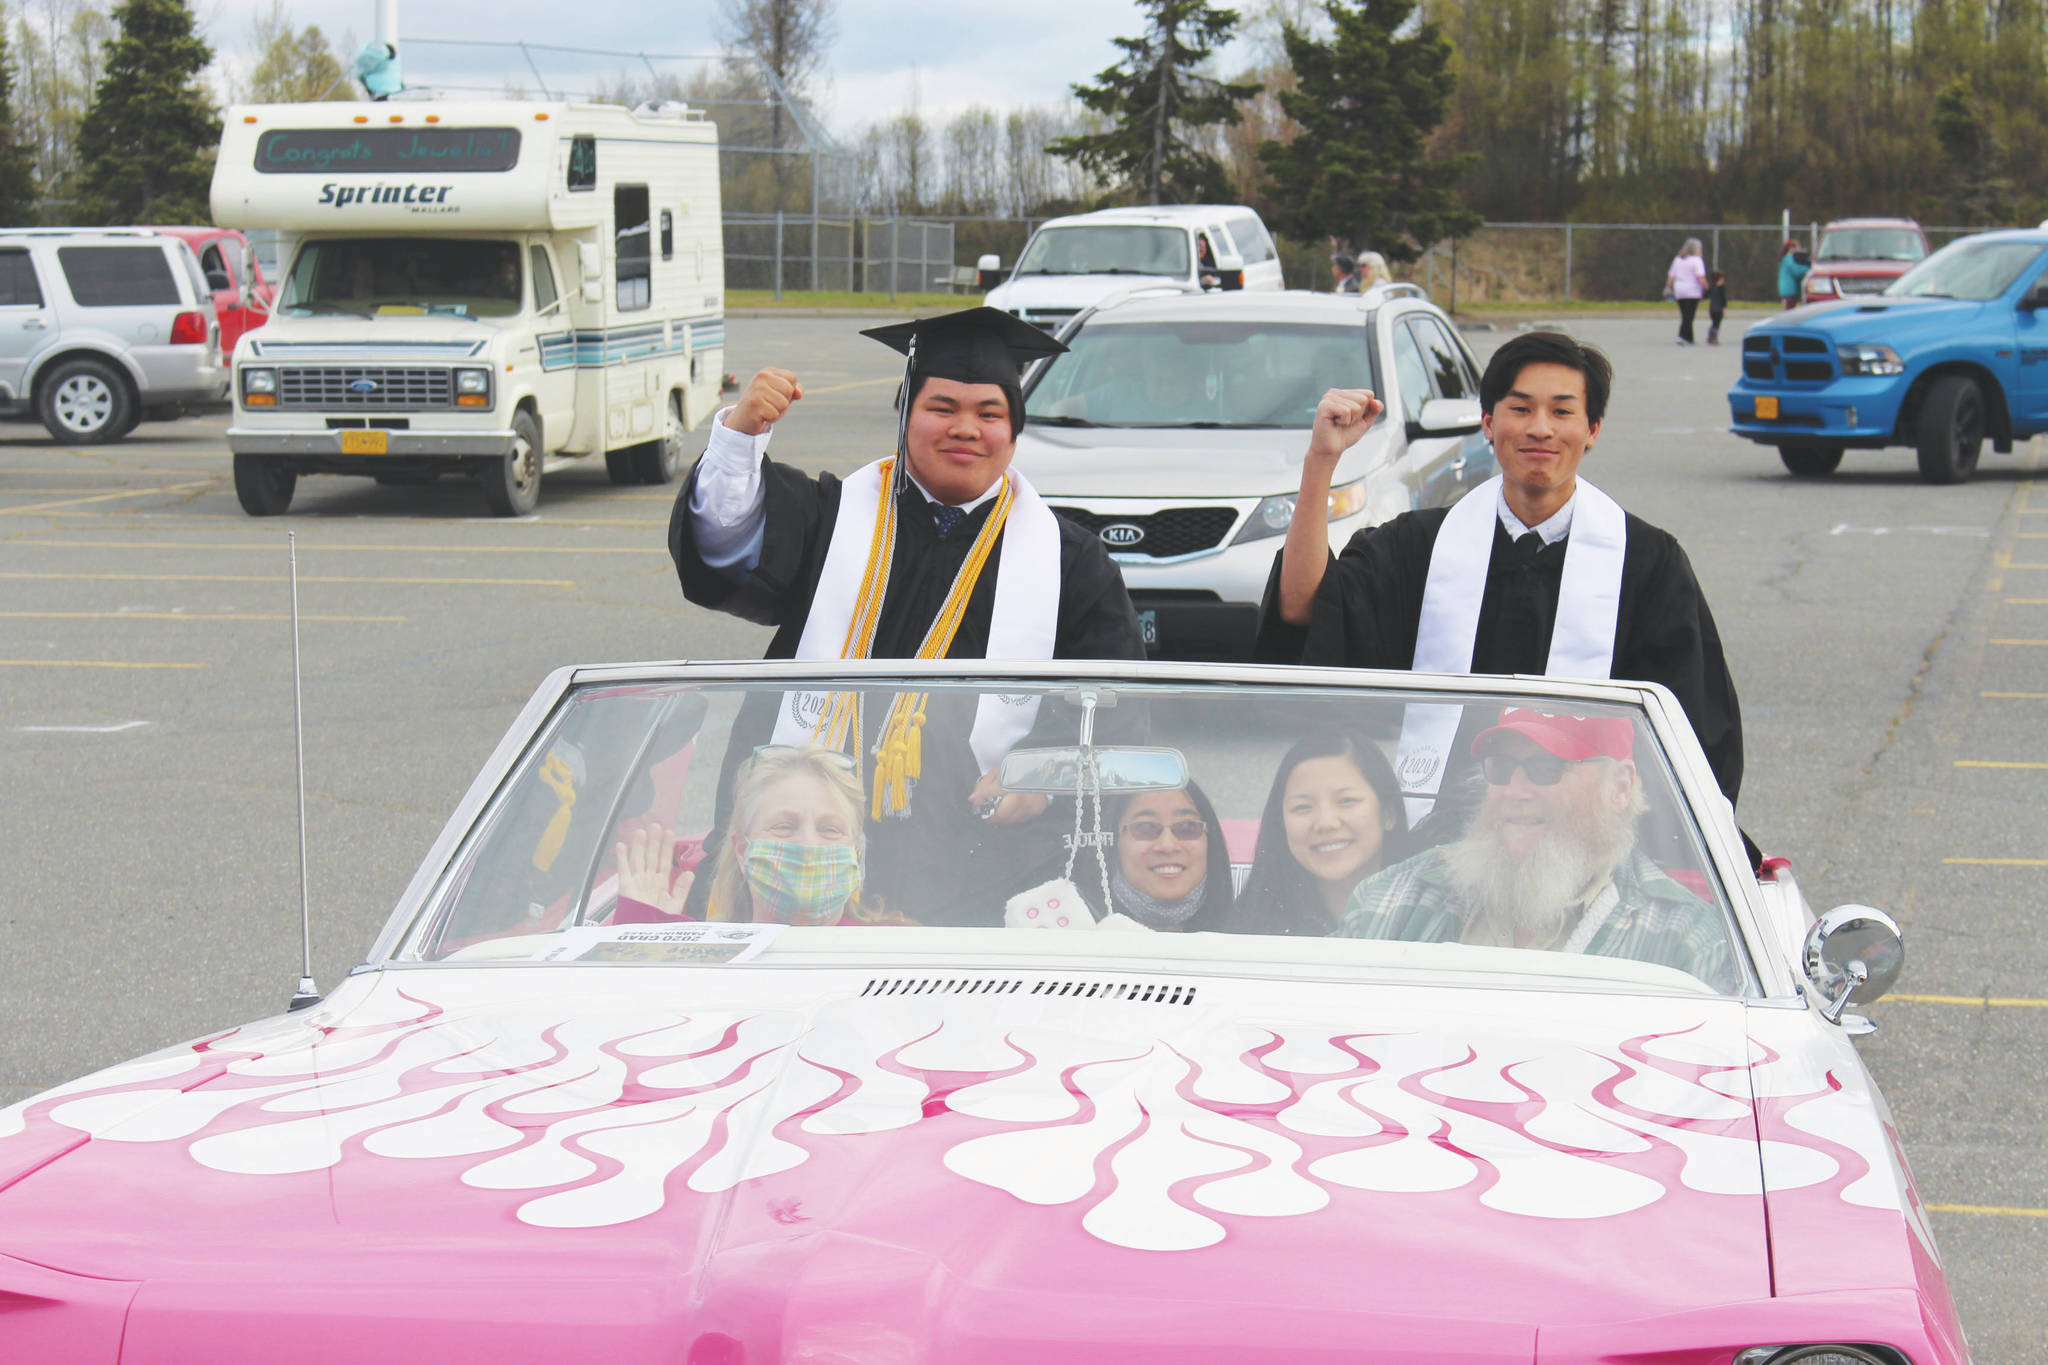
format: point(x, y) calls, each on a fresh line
point(660, 460)
point(512, 484)
point(1810, 462)
point(1951, 429)
point(87, 402)
point(264, 484)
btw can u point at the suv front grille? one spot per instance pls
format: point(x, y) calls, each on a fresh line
point(1164, 534)
point(1788, 356)
point(365, 386)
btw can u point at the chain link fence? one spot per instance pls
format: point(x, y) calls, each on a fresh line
point(788, 251)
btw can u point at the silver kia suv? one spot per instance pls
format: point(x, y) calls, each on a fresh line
point(101, 327)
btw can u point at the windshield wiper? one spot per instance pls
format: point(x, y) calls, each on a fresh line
point(1062, 422)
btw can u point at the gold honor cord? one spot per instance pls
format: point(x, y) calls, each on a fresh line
point(899, 750)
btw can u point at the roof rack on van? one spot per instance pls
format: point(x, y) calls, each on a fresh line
point(80, 232)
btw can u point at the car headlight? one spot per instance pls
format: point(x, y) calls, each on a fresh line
point(1273, 515)
point(259, 388)
point(472, 388)
point(1810, 1355)
point(1870, 360)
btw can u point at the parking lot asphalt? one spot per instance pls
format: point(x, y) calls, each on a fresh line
point(1889, 639)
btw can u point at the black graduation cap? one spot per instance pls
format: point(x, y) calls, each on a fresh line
point(975, 346)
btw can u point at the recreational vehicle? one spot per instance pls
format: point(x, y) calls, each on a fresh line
point(482, 287)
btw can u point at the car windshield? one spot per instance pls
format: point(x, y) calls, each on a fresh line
point(1255, 827)
point(1870, 244)
point(1973, 268)
point(396, 276)
point(1177, 374)
point(1121, 249)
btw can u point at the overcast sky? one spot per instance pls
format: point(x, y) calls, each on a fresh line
point(1003, 53)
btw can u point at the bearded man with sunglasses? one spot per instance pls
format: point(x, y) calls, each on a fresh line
point(1550, 860)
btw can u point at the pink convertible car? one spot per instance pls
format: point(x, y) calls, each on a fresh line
point(700, 1040)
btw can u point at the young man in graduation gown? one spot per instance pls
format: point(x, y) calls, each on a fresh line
point(1536, 571)
point(966, 561)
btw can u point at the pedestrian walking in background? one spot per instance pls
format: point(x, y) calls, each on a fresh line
point(1793, 263)
point(1717, 306)
point(1372, 270)
point(1686, 282)
point(1344, 273)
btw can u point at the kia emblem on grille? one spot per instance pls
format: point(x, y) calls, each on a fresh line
point(1122, 533)
point(362, 386)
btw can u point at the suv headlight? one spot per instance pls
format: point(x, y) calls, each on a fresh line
point(1273, 515)
point(472, 388)
point(1870, 360)
point(259, 388)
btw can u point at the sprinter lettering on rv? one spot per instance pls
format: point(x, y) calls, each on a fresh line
point(341, 196)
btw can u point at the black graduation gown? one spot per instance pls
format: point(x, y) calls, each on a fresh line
point(1369, 607)
point(942, 865)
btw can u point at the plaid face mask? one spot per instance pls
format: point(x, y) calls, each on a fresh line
point(802, 883)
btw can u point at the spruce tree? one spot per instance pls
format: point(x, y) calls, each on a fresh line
point(1158, 104)
point(1367, 101)
point(17, 171)
point(147, 144)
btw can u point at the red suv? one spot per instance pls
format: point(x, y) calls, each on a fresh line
point(1862, 256)
point(221, 252)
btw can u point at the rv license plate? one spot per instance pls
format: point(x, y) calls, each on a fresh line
point(365, 442)
point(1766, 409)
point(1148, 627)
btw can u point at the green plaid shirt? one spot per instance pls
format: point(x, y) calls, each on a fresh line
point(1656, 919)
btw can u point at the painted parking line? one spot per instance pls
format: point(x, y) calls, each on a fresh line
point(2004, 1002)
point(90, 663)
point(1996, 862)
point(113, 729)
point(1995, 763)
point(314, 547)
point(107, 497)
point(2010, 641)
point(192, 616)
point(2014, 696)
point(1991, 1209)
point(278, 578)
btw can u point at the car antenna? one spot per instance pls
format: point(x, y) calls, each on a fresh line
point(306, 993)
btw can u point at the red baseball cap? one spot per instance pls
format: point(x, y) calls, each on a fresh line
point(1567, 737)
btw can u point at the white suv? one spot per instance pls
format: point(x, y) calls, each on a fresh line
point(100, 327)
point(1174, 428)
point(1073, 263)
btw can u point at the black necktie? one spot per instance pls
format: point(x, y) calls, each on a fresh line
point(946, 518)
point(1530, 544)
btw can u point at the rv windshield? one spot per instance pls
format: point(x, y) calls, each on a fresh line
point(395, 276)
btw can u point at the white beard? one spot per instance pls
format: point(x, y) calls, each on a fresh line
point(1523, 899)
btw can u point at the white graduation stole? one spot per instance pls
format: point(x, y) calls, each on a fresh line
point(1023, 626)
point(1581, 640)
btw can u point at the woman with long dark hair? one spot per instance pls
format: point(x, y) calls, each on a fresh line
point(1333, 818)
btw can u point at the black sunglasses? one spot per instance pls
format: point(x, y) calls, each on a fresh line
point(1148, 831)
point(1543, 770)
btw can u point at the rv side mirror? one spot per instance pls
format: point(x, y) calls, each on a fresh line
point(1230, 271)
point(988, 272)
point(590, 261)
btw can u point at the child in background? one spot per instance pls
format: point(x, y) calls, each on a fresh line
point(1717, 305)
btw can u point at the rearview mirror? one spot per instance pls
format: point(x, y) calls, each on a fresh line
point(1448, 417)
point(2037, 297)
point(988, 272)
point(590, 262)
point(1060, 771)
point(1852, 955)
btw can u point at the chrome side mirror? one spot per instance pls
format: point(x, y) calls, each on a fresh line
point(1852, 955)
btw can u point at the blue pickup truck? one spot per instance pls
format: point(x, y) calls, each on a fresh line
point(1952, 354)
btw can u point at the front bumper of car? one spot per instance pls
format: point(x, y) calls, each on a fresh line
point(336, 442)
point(1861, 411)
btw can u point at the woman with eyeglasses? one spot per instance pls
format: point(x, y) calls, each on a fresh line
point(1334, 817)
point(1172, 868)
point(794, 855)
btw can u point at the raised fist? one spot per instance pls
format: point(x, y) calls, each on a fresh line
point(768, 396)
point(1342, 418)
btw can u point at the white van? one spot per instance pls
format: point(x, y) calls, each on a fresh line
point(481, 287)
point(1073, 263)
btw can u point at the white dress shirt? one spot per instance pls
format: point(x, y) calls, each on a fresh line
point(1556, 528)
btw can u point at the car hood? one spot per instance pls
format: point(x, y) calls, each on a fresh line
point(1873, 318)
point(1067, 291)
point(399, 336)
point(969, 1166)
point(1134, 462)
point(1844, 266)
